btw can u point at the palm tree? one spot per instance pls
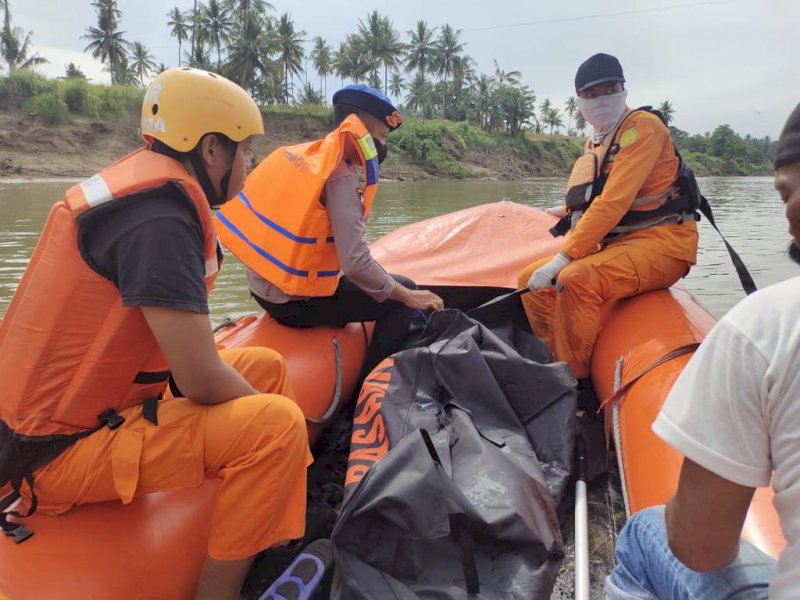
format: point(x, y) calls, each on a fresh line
point(396, 84)
point(339, 63)
point(217, 24)
point(374, 80)
point(106, 41)
point(243, 7)
point(463, 78)
point(368, 40)
point(665, 108)
point(418, 97)
point(421, 51)
point(448, 47)
point(580, 123)
point(310, 96)
point(179, 28)
point(321, 59)
point(502, 76)
point(252, 42)
point(552, 117)
point(201, 58)
point(572, 107)
point(515, 106)
point(291, 49)
point(381, 44)
point(349, 62)
point(482, 101)
point(199, 54)
point(74, 72)
point(124, 73)
point(392, 52)
point(142, 61)
point(15, 45)
point(194, 30)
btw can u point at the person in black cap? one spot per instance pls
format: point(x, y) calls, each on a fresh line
point(630, 227)
point(299, 228)
point(745, 377)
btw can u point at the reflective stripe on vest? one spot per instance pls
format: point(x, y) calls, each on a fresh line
point(279, 228)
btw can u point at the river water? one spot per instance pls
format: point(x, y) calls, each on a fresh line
point(747, 210)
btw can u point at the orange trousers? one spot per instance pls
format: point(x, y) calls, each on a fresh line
point(568, 317)
point(256, 445)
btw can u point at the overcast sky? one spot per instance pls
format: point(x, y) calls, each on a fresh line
point(717, 61)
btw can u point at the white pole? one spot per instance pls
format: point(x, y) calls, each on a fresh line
point(581, 543)
point(581, 530)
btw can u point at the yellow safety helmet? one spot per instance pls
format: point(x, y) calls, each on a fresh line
point(182, 104)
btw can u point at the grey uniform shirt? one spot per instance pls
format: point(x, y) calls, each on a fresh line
point(343, 202)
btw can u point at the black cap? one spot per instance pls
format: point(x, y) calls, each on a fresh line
point(371, 101)
point(787, 150)
point(598, 69)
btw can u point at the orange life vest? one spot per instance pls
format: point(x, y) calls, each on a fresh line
point(69, 351)
point(279, 228)
point(589, 175)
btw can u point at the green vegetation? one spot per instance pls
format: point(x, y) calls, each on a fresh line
point(724, 152)
point(53, 101)
point(308, 110)
point(441, 146)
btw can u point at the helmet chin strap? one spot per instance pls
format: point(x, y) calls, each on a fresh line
point(204, 180)
point(200, 170)
point(226, 179)
point(214, 200)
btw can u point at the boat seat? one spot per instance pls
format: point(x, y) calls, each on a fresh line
point(152, 548)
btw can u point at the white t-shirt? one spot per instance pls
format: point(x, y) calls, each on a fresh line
point(735, 409)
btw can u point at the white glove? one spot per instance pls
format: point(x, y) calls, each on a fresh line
point(544, 276)
point(559, 211)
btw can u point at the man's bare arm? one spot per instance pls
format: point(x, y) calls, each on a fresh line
point(187, 342)
point(705, 518)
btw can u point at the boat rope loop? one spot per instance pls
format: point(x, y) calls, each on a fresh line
point(619, 391)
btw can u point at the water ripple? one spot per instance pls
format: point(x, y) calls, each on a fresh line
point(747, 209)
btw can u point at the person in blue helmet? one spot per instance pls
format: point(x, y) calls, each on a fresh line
point(299, 227)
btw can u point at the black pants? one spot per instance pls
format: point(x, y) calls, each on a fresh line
point(350, 304)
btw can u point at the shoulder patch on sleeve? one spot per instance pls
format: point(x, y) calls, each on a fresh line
point(628, 137)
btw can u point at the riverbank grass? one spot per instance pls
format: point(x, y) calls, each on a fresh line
point(53, 100)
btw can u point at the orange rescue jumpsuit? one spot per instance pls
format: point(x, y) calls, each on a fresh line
point(601, 274)
point(256, 445)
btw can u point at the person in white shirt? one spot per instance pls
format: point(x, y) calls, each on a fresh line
point(734, 413)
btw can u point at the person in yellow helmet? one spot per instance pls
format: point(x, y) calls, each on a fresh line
point(114, 386)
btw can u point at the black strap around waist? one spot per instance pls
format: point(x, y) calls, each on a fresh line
point(20, 458)
point(149, 377)
point(676, 206)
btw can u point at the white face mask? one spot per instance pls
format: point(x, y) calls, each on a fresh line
point(603, 112)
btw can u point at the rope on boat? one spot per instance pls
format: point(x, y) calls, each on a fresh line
point(337, 388)
point(617, 433)
point(619, 390)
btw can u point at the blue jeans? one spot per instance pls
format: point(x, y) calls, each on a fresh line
point(646, 569)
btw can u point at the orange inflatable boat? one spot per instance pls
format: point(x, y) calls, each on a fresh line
point(154, 547)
